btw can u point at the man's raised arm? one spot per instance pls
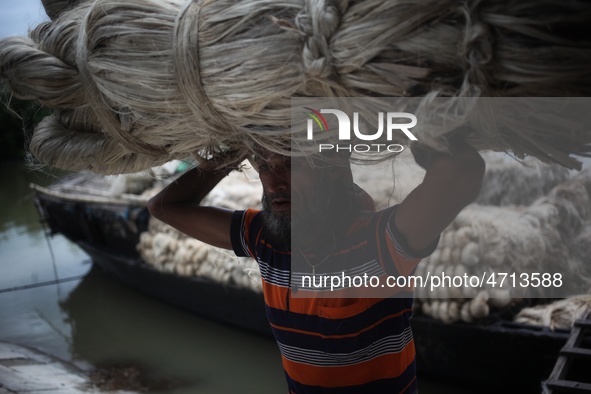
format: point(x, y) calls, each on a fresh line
point(178, 206)
point(451, 182)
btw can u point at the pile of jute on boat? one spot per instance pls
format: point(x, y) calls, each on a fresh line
point(136, 83)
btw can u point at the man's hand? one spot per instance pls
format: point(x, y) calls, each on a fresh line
point(422, 154)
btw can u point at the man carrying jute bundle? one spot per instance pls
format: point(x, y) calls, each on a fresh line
point(135, 83)
point(330, 345)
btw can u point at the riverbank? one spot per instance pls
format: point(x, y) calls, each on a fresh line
point(24, 370)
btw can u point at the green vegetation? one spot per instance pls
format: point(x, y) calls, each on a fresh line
point(17, 120)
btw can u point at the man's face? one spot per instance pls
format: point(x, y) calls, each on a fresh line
point(294, 195)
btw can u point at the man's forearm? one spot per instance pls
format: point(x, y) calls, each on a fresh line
point(178, 206)
point(188, 189)
point(451, 182)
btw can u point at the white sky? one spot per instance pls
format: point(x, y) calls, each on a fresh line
point(17, 16)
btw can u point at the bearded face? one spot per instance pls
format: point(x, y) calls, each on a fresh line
point(312, 212)
point(302, 201)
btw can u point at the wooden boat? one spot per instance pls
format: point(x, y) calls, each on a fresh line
point(494, 354)
point(108, 230)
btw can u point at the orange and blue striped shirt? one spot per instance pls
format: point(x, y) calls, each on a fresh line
point(338, 345)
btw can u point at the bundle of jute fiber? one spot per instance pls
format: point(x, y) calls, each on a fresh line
point(135, 83)
point(171, 251)
point(144, 182)
point(508, 181)
point(560, 314)
point(548, 236)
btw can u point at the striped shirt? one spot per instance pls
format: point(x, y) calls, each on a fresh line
point(338, 345)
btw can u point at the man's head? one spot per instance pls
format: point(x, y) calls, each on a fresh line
point(300, 195)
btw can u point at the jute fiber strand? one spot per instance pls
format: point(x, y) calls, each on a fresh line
point(559, 314)
point(135, 83)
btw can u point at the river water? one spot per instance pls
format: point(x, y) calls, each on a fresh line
point(54, 300)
